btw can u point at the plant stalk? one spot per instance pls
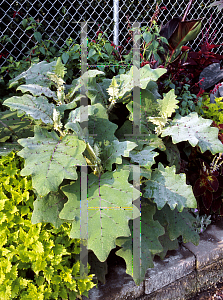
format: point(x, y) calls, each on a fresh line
point(187, 9)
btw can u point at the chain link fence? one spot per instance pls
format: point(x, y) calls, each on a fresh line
point(61, 20)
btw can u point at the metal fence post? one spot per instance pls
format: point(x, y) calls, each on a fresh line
point(116, 21)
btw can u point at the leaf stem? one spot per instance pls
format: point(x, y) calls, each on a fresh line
point(111, 106)
point(96, 161)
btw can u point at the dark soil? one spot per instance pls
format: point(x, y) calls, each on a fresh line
point(214, 293)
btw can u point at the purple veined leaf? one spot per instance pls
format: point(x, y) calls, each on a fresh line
point(168, 29)
point(178, 32)
point(184, 32)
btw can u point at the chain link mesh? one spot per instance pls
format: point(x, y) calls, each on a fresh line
point(62, 20)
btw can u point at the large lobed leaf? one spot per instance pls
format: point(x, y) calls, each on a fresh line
point(196, 130)
point(13, 126)
point(150, 244)
point(37, 90)
point(144, 157)
point(36, 74)
point(167, 187)
point(82, 82)
point(141, 77)
point(50, 159)
point(98, 125)
point(109, 210)
point(179, 224)
point(148, 106)
point(112, 153)
point(167, 106)
point(36, 107)
point(149, 139)
point(97, 92)
point(47, 209)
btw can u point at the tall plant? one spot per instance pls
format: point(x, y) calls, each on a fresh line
point(55, 146)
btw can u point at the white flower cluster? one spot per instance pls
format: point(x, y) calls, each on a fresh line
point(214, 166)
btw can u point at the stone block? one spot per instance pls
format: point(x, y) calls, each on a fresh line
point(182, 289)
point(180, 263)
point(210, 248)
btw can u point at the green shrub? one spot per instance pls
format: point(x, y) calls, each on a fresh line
point(37, 261)
point(213, 110)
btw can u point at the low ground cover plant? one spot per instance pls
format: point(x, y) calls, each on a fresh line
point(37, 261)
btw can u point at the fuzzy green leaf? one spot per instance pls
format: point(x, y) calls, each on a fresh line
point(145, 157)
point(47, 209)
point(168, 104)
point(98, 124)
point(150, 245)
point(59, 69)
point(36, 74)
point(167, 187)
point(109, 210)
point(37, 90)
point(146, 139)
point(36, 107)
point(112, 153)
point(97, 92)
point(142, 77)
point(167, 244)
point(50, 159)
point(82, 81)
point(179, 223)
point(196, 130)
point(11, 125)
point(148, 106)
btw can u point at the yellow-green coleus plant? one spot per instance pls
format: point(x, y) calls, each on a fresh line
point(36, 261)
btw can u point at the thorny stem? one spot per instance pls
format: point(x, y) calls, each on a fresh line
point(98, 168)
point(111, 106)
point(60, 131)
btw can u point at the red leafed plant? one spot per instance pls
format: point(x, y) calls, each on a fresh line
point(208, 187)
point(189, 64)
point(220, 133)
